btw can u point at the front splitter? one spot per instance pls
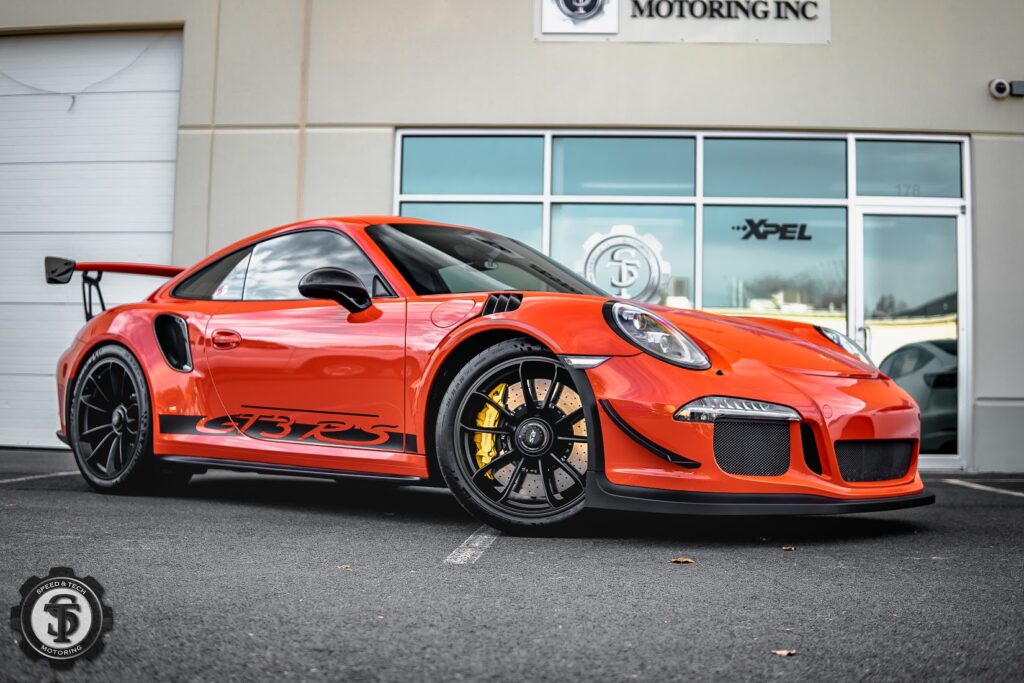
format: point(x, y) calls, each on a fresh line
point(603, 494)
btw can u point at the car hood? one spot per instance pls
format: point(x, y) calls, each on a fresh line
point(779, 344)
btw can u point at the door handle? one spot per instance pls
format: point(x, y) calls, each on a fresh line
point(225, 339)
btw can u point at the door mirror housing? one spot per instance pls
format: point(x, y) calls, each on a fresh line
point(336, 284)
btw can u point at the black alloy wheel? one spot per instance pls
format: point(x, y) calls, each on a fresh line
point(108, 418)
point(518, 438)
point(109, 426)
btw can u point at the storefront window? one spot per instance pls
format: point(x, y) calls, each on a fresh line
point(618, 209)
point(623, 166)
point(639, 251)
point(523, 222)
point(910, 310)
point(745, 167)
point(887, 168)
point(784, 261)
point(472, 165)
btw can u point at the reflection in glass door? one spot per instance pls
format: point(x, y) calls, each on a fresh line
point(908, 318)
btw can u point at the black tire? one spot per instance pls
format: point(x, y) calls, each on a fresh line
point(527, 472)
point(110, 427)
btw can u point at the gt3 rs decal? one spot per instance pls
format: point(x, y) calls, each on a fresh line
point(355, 430)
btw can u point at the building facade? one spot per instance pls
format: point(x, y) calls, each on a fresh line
point(842, 163)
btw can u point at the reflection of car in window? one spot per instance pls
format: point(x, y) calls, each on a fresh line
point(928, 372)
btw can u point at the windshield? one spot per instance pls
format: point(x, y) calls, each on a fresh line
point(438, 260)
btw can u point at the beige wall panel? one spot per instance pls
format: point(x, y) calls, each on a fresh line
point(348, 172)
point(997, 436)
point(998, 275)
point(914, 65)
point(254, 183)
point(259, 62)
point(199, 18)
point(191, 198)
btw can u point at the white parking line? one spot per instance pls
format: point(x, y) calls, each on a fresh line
point(474, 546)
point(37, 476)
point(982, 487)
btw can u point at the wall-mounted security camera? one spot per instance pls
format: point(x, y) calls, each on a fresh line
point(999, 88)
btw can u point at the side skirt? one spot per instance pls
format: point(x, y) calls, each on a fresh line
point(286, 470)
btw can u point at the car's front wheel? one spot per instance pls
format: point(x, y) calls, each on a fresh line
point(110, 428)
point(511, 438)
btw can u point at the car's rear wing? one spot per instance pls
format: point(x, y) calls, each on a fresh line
point(59, 271)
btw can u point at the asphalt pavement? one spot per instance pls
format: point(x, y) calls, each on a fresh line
point(249, 577)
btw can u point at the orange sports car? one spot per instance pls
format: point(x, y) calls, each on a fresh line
point(396, 350)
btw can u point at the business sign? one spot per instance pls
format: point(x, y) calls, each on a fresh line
point(685, 21)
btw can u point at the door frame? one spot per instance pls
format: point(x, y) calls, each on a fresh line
point(856, 315)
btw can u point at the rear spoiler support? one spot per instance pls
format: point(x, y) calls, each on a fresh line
point(90, 284)
point(59, 271)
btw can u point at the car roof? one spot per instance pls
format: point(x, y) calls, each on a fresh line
point(368, 220)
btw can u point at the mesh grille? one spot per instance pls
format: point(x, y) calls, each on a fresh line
point(874, 460)
point(757, 448)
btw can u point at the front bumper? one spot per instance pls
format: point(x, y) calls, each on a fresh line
point(604, 495)
point(643, 459)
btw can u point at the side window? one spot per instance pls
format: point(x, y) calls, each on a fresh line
point(277, 265)
point(223, 279)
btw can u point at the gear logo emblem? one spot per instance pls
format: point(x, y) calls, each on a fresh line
point(626, 264)
point(61, 617)
point(580, 10)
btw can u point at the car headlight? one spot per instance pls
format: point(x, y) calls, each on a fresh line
point(845, 343)
point(654, 335)
point(711, 408)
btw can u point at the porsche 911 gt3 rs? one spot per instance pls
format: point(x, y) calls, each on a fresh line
point(392, 349)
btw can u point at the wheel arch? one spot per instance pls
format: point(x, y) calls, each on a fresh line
point(74, 373)
point(456, 358)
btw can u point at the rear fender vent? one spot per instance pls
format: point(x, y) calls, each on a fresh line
point(172, 337)
point(810, 448)
point(502, 303)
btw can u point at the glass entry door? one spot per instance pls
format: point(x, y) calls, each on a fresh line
point(905, 311)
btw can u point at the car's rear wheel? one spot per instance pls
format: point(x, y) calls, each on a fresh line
point(512, 438)
point(110, 426)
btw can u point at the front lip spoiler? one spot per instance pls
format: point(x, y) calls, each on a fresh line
point(603, 494)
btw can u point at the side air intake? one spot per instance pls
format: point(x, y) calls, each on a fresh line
point(502, 303)
point(172, 336)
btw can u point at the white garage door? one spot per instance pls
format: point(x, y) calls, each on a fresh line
point(88, 126)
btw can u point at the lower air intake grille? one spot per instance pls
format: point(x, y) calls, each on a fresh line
point(874, 459)
point(756, 448)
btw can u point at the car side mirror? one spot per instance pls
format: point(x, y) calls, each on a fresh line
point(336, 284)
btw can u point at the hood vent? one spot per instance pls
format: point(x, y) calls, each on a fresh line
point(502, 303)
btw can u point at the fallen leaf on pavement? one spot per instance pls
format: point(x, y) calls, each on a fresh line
point(784, 653)
point(682, 560)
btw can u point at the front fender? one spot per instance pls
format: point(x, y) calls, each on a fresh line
point(567, 325)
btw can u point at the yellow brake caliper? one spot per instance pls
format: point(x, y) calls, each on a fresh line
point(486, 444)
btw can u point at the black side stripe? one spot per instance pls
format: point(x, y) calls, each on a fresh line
point(660, 451)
